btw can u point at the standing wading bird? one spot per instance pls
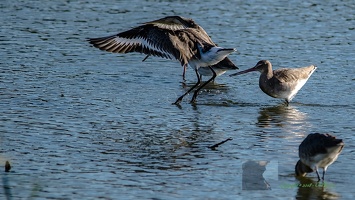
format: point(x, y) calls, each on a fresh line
point(317, 151)
point(281, 83)
point(172, 37)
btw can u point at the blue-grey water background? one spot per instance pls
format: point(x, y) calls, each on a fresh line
point(77, 122)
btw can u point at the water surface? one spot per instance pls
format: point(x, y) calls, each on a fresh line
point(77, 122)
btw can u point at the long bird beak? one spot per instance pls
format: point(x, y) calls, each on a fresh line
point(245, 71)
point(230, 50)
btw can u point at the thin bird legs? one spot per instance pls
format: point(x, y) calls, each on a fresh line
point(193, 100)
point(319, 175)
point(324, 170)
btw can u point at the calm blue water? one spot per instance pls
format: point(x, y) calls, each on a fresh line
point(77, 122)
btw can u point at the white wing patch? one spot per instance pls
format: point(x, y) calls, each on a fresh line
point(170, 26)
point(144, 43)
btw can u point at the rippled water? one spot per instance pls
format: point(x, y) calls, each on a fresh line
point(77, 122)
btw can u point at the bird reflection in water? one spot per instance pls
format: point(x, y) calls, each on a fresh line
point(252, 178)
point(280, 116)
point(310, 189)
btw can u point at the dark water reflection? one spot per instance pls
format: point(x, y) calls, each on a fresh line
point(80, 123)
point(310, 189)
point(281, 116)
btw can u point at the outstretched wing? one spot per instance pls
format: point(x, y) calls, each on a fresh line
point(172, 37)
point(177, 23)
point(173, 23)
point(152, 40)
point(143, 39)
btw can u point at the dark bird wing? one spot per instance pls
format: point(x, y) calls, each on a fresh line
point(226, 64)
point(177, 23)
point(171, 37)
point(317, 143)
point(173, 23)
point(143, 39)
point(152, 40)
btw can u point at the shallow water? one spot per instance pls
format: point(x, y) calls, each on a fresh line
point(77, 122)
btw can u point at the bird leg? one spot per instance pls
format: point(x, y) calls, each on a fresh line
point(318, 174)
point(183, 73)
point(323, 174)
point(177, 102)
point(145, 58)
point(203, 85)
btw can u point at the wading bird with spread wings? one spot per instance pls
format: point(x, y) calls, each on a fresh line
point(172, 37)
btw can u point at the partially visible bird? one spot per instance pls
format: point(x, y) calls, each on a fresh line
point(220, 68)
point(317, 151)
point(7, 166)
point(172, 37)
point(282, 83)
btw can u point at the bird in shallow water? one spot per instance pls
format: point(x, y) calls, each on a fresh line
point(172, 37)
point(7, 166)
point(317, 151)
point(282, 83)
